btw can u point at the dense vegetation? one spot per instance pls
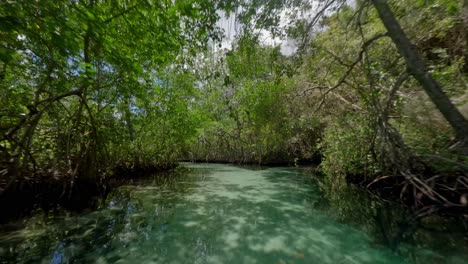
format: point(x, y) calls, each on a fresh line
point(92, 89)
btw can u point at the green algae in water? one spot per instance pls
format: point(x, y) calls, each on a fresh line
point(227, 214)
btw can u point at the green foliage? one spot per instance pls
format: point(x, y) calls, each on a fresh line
point(248, 110)
point(356, 143)
point(346, 149)
point(89, 85)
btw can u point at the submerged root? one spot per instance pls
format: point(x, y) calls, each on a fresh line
point(460, 147)
point(415, 182)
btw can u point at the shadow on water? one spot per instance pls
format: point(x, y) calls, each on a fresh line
point(225, 214)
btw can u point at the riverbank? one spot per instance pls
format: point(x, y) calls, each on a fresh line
point(277, 163)
point(48, 193)
point(20, 198)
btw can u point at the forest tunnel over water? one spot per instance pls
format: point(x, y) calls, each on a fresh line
point(214, 213)
point(96, 94)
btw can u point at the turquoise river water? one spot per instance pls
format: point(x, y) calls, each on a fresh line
point(213, 213)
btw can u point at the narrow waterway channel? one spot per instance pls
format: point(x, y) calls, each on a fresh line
point(213, 213)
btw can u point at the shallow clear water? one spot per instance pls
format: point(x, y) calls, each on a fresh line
point(213, 213)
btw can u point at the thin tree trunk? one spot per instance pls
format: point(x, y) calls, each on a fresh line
point(128, 119)
point(419, 70)
point(465, 25)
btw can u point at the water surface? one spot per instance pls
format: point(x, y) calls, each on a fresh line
point(211, 213)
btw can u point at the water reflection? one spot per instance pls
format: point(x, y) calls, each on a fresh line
point(227, 214)
point(430, 240)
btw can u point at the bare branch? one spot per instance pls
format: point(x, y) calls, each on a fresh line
point(391, 96)
point(351, 67)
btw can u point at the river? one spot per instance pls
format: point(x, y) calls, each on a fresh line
point(214, 213)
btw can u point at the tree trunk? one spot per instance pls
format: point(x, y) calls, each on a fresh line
point(128, 119)
point(419, 70)
point(464, 18)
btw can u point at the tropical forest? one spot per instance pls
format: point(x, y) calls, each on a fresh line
point(234, 131)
